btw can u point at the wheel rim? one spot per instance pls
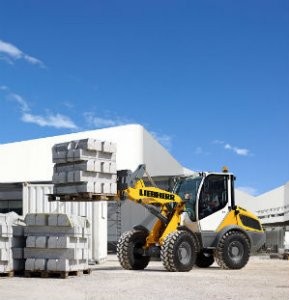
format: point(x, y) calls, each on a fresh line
point(236, 250)
point(184, 253)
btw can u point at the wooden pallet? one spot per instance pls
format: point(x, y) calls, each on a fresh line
point(7, 274)
point(88, 197)
point(56, 274)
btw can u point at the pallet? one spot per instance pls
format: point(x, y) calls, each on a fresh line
point(7, 274)
point(81, 197)
point(56, 274)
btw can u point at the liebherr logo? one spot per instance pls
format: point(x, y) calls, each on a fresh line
point(153, 194)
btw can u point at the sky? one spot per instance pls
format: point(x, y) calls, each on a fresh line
point(209, 79)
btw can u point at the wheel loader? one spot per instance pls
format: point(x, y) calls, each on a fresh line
point(197, 223)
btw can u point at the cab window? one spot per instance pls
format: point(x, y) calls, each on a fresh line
point(187, 190)
point(213, 196)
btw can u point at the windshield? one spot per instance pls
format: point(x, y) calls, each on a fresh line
point(187, 188)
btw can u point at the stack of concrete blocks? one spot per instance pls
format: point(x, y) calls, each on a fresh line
point(56, 243)
point(84, 166)
point(12, 243)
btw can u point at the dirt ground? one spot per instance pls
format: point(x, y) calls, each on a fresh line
point(262, 278)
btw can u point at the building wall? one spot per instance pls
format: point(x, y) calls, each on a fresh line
point(273, 206)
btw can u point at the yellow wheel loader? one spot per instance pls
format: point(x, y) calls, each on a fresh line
point(197, 223)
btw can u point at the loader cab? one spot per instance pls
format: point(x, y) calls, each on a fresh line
point(207, 196)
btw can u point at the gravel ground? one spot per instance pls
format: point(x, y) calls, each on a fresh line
point(262, 278)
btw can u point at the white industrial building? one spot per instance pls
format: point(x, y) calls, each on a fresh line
point(26, 175)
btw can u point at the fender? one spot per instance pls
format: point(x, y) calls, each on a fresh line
point(196, 235)
point(141, 228)
point(230, 228)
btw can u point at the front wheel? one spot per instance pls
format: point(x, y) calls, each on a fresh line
point(233, 250)
point(178, 253)
point(130, 250)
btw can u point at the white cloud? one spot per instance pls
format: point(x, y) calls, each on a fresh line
point(3, 88)
point(200, 151)
point(49, 120)
point(10, 53)
point(22, 103)
point(100, 122)
point(237, 150)
point(56, 121)
point(218, 142)
point(248, 189)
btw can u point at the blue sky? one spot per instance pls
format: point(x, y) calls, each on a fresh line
point(210, 79)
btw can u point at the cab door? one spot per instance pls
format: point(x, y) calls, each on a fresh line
point(213, 205)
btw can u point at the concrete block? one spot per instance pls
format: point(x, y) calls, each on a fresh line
point(97, 187)
point(105, 167)
point(108, 147)
point(88, 144)
point(86, 187)
point(106, 188)
point(6, 230)
point(30, 264)
point(91, 165)
point(112, 168)
point(52, 219)
point(52, 253)
point(52, 264)
point(31, 241)
point(60, 177)
point(52, 231)
point(30, 219)
point(5, 243)
point(41, 242)
point(84, 176)
point(113, 188)
point(41, 219)
point(85, 254)
point(5, 254)
point(5, 267)
point(74, 155)
point(66, 265)
point(106, 156)
point(40, 264)
point(72, 221)
point(52, 241)
point(71, 242)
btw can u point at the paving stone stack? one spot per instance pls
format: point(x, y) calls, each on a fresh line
point(84, 166)
point(12, 242)
point(56, 243)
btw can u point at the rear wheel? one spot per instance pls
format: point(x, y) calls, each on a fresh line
point(178, 252)
point(204, 259)
point(233, 250)
point(130, 250)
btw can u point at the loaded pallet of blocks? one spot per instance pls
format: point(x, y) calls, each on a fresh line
point(56, 243)
point(84, 166)
point(12, 242)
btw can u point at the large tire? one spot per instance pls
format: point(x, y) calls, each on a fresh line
point(179, 251)
point(130, 252)
point(233, 250)
point(204, 259)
